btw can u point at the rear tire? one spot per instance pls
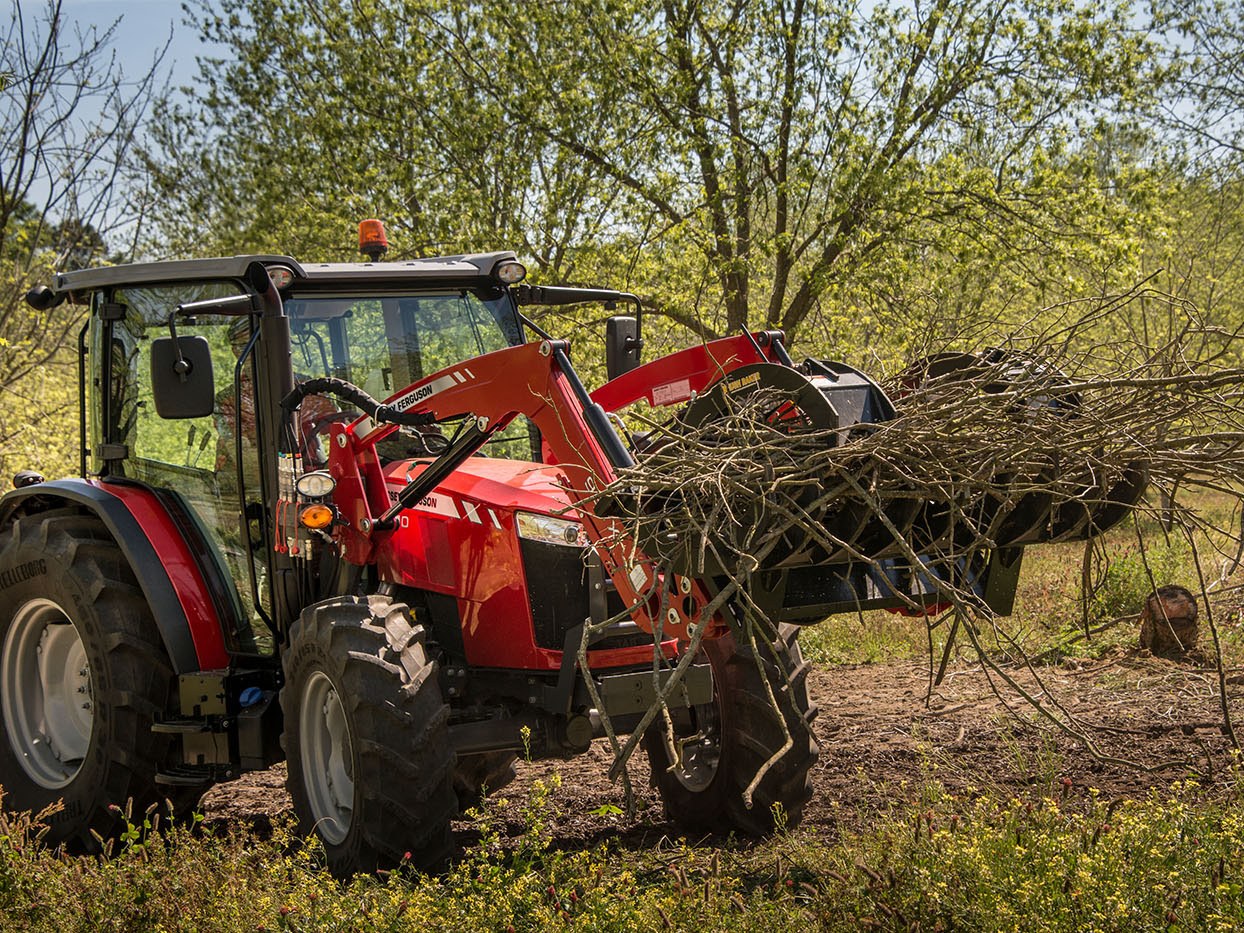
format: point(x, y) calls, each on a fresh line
point(83, 675)
point(739, 731)
point(366, 737)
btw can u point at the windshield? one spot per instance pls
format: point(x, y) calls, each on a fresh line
point(383, 343)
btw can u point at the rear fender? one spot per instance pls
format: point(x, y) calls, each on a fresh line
point(168, 573)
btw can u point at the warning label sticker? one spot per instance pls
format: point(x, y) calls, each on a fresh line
point(671, 392)
point(639, 578)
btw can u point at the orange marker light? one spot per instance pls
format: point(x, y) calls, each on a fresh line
point(315, 516)
point(372, 240)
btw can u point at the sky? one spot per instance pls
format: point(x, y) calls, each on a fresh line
point(142, 28)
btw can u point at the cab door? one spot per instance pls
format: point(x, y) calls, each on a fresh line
point(193, 463)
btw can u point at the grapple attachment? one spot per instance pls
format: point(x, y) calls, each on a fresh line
point(800, 494)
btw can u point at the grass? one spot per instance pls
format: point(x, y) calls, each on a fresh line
point(1170, 861)
point(865, 638)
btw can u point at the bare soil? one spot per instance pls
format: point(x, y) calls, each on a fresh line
point(884, 735)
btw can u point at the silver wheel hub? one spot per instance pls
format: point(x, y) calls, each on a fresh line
point(701, 751)
point(46, 693)
point(327, 758)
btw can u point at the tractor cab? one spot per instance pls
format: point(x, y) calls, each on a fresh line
point(378, 326)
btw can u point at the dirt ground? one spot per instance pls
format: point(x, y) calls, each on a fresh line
point(883, 736)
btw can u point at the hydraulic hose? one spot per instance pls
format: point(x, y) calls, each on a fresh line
point(327, 385)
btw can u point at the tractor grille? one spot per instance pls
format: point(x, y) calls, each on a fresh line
point(558, 592)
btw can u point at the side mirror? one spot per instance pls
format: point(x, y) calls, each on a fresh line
point(181, 377)
point(621, 345)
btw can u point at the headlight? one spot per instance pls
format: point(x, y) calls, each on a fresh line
point(280, 276)
point(549, 530)
point(511, 271)
point(315, 485)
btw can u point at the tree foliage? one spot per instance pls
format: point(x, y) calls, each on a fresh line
point(1207, 46)
point(68, 116)
point(739, 162)
point(355, 114)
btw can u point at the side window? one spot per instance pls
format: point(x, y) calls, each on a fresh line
point(196, 458)
point(194, 443)
point(190, 443)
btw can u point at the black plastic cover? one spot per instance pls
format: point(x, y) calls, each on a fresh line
point(621, 345)
point(181, 377)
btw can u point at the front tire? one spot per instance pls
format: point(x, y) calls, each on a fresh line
point(727, 741)
point(83, 675)
point(366, 737)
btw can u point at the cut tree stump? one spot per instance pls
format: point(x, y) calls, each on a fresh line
point(1168, 623)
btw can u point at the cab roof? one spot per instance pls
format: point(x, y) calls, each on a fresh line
point(475, 268)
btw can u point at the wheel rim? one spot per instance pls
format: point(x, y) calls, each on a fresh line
point(701, 748)
point(327, 758)
point(49, 705)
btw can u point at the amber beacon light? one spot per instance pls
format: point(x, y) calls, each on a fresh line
point(372, 241)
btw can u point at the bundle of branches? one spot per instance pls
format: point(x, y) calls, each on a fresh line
point(1053, 438)
point(1009, 450)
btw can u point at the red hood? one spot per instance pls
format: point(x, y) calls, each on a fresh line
point(508, 484)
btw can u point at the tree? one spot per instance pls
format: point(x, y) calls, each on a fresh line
point(803, 143)
point(1197, 253)
point(355, 113)
point(1208, 56)
point(68, 117)
point(739, 162)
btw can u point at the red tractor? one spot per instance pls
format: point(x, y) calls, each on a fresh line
point(263, 562)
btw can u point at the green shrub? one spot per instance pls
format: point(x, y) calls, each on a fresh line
point(1173, 860)
point(1129, 576)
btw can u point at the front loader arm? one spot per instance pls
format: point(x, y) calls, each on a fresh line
point(677, 377)
point(488, 392)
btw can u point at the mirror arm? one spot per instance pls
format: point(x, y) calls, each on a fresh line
point(233, 306)
point(182, 366)
point(556, 295)
point(236, 305)
point(637, 342)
